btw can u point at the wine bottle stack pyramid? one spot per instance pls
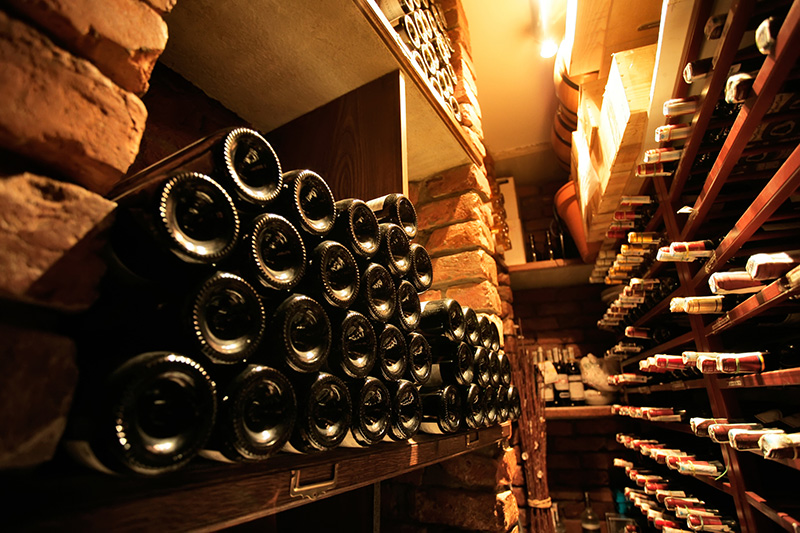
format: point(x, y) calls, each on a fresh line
point(253, 313)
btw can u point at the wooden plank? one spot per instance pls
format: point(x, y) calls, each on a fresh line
point(768, 297)
point(770, 77)
point(782, 519)
point(738, 17)
point(574, 413)
point(355, 142)
point(772, 196)
point(777, 378)
point(227, 494)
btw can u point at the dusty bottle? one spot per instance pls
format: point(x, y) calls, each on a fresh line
point(392, 355)
point(452, 362)
point(420, 274)
point(353, 346)
point(377, 297)
point(474, 409)
point(324, 413)
point(397, 209)
point(590, 523)
point(420, 359)
point(371, 413)
point(256, 416)
point(406, 415)
point(441, 410)
point(394, 250)
point(442, 318)
point(307, 201)
point(274, 253)
point(408, 309)
point(332, 275)
point(301, 332)
point(356, 227)
point(252, 171)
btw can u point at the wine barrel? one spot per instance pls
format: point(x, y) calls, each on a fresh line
point(561, 138)
point(567, 89)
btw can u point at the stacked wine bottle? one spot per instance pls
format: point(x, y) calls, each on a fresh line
point(246, 312)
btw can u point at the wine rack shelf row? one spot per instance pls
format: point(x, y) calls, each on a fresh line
point(777, 378)
point(226, 494)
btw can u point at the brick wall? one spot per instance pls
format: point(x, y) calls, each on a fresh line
point(71, 74)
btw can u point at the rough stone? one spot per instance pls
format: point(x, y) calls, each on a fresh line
point(415, 191)
point(38, 374)
point(460, 179)
point(471, 266)
point(460, 237)
point(474, 510)
point(505, 292)
point(520, 495)
point(466, 94)
point(63, 112)
point(481, 297)
point(162, 6)
point(48, 234)
point(123, 38)
point(506, 311)
point(450, 211)
point(430, 294)
point(470, 119)
point(476, 140)
point(476, 471)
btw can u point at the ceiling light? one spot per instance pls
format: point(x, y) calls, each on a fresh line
point(549, 48)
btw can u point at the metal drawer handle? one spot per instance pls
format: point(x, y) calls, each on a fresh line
point(313, 490)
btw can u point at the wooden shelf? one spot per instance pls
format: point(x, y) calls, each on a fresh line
point(781, 518)
point(227, 494)
point(669, 387)
point(575, 413)
point(550, 273)
point(272, 62)
point(776, 378)
point(680, 340)
point(678, 427)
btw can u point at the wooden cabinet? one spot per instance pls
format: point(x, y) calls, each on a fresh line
point(763, 491)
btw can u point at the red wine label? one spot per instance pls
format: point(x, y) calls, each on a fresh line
point(661, 155)
point(748, 439)
point(672, 132)
point(642, 237)
point(742, 363)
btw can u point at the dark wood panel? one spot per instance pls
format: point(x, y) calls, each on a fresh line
point(208, 496)
point(356, 142)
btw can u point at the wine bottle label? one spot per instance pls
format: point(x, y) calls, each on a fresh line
point(733, 283)
point(719, 432)
point(672, 132)
point(562, 382)
point(641, 237)
point(771, 266)
point(214, 455)
point(549, 393)
point(775, 446)
point(81, 451)
point(741, 363)
point(576, 390)
point(679, 106)
point(701, 305)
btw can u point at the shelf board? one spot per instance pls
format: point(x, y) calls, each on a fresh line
point(776, 378)
point(227, 494)
point(272, 61)
point(550, 273)
point(669, 387)
point(791, 463)
point(771, 295)
point(680, 340)
point(781, 518)
point(678, 427)
point(575, 413)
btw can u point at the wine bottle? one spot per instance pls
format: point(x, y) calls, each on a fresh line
point(481, 366)
point(377, 297)
point(392, 355)
point(307, 201)
point(354, 346)
point(680, 106)
point(406, 414)
point(490, 404)
point(514, 403)
point(151, 415)
point(186, 219)
point(371, 413)
point(746, 60)
point(474, 410)
point(504, 368)
point(408, 309)
point(332, 275)
point(485, 329)
point(472, 334)
point(274, 253)
point(711, 523)
point(577, 393)
point(397, 209)
point(561, 385)
point(420, 359)
point(748, 439)
point(494, 368)
point(590, 523)
point(767, 34)
point(494, 333)
point(738, 87)
point(442, 318)
point(441, 410)
point(251, 168)
point(701, 305)
point(503, 411)
point(549, 249)
point(771, 266)
point(256, 416)
point(719, 432)
point(356, 227)
point(394, 250)
point(558, 524)
point(777, 446)
point(302, 334)
point(324, 412)
point(452, 362)
point(420, 274)
point(762, 361)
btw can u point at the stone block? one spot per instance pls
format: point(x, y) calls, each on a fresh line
point(465, 93)
point(470, 119)
point(460, 179)
point(476, 471)
point(521, 495)
point(38, 374)
point(63, 112)
point(460, 237)
point(505, 292)
point(49, 237)
point(506, 311)
point(482, 297)
point(430, 294)
point(123, 38)
point(415, 192)
point(450, 210)
point(471, 266)
point(162, 6)
point(475, 139)
point(474, 510)
point(503, 279)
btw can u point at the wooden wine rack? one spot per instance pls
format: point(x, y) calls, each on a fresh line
point(756, 512)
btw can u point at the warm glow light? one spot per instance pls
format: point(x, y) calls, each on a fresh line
point(549, 49)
